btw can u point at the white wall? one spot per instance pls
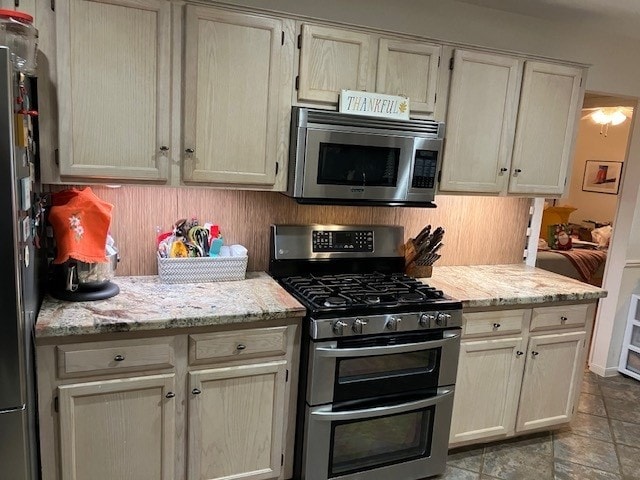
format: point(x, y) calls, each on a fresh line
point(592, 145)
point(615, 70)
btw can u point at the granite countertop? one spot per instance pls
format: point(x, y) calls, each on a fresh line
point(518, 284)
point(144, 303)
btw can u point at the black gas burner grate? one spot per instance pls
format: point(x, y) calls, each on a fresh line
point(367, 290)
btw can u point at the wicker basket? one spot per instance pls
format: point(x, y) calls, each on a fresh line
point(202, 269)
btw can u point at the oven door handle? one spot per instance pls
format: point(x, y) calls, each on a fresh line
point(386, 350)
point(325, 414)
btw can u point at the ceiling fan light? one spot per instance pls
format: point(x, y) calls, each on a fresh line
point(600, 117)
point(617, 117)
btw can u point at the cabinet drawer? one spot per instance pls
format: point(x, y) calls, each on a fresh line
point(223, 347)
point(558, 317)
point(108, 357)
point(493, 323)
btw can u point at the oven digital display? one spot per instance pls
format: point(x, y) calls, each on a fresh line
point(342, 241)
point(424, 169)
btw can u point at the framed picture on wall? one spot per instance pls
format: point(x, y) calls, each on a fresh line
point(602, 177)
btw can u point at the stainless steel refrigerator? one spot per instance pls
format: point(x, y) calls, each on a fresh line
point(19, 274)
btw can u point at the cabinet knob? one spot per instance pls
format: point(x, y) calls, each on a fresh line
point(504, 169)
point(519, 353)
point(119, 358)
point(196, 391)
point(164, 148)
point(170, 395)
point(534, 354)
point(517, 171)
point(496, 325)
point(563, 319)
point(189, 151)
point(241, 346)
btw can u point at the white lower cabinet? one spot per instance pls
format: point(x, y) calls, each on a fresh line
point(226, 398)
point(487, 389)
point(511, 382)
point(236, 419)
point(122, 428)
point(553, 372)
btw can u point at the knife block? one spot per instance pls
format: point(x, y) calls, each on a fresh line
point(419, 271)
point(410, 268)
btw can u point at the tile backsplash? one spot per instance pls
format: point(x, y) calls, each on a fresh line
point(479, 230)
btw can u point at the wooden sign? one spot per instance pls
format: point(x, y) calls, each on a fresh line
point(374, 104)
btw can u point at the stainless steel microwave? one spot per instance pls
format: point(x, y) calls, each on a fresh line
point(352, 160)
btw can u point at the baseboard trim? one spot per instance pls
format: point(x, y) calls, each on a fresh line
point(603, 371)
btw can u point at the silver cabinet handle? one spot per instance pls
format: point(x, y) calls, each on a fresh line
point(119, 358)
point(196, 391)
point(170, 395)
point(496, 325)
point(519, 353)
point(189, 151)
point(164, 148)
point(535, 354)
point(241, 346)
point(563, 319)
point(386, 350)
point(324, 413)
point(516, 172)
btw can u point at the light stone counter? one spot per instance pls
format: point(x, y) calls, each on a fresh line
point(502, 285)
point(146, 304)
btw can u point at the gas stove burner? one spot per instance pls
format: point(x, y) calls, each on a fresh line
point(372, 299)
point(410, 297)
point(335, 302)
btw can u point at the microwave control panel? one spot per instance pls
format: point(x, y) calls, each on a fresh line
point(425, 167)
point(342, 241)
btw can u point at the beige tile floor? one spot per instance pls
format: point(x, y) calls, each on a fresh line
point(602, 443)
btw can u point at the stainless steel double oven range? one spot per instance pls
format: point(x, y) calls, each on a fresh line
point(379, 355)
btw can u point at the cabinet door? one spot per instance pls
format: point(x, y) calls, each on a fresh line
point(410, 69)
point(552, 374)
point(549, 104)
point(232, 91)
point(113, 88)
point(332, 59)
point(487, 389)
point(122, 428)
point(481, 118)
point(236, 418)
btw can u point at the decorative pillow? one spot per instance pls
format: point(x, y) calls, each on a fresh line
point(602, 235)
point(559, 236)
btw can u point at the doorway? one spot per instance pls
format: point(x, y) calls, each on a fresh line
point(575, 230)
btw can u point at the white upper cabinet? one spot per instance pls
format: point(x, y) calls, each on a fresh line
point(333, 59)
point(232, 103)
point(411, 69)
point(481, 121)
point(549, 105)
point(113, 88)
point(510, 125)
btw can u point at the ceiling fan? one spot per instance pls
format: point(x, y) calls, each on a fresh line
point(607, 116)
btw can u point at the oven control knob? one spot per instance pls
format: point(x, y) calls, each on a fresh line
point(338, 327)
point(358, 325)
point(393, 323)
point(442, 319)
point(427, 319)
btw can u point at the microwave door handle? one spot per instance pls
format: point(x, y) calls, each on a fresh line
point(386, 350)
point(324, 413)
